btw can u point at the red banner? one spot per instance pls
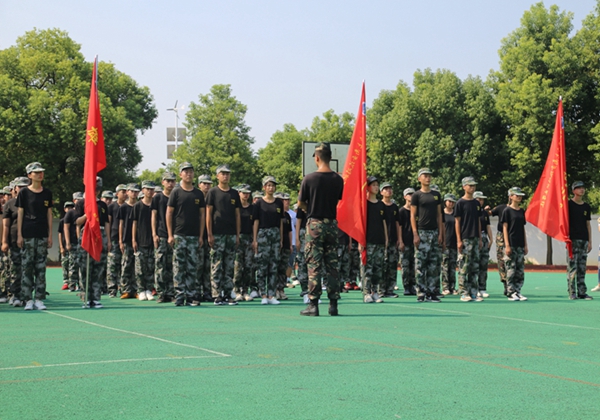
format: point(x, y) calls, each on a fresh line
point(95, 161)
point(549, 209)
point(352, 208)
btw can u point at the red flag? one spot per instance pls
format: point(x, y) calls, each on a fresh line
point(549, 209)
point(95, 161)
point(352, 208)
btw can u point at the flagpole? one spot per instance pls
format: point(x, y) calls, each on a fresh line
point(87, 284)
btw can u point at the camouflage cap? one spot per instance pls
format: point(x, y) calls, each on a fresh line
point(148, 184)
point(98, 182)
point(141, 195)
point(371, 179)
point(244, 188)
point(468, 180)
point(77, 195)
point(285, 196)
point(168, 176)
point(34, 167)
point(515, 191)
point(107, 194)
point(121, 187)
point(478, 194)
point(69, 204)
point(7, 190)
point(185, 165)
point(577, 184)
point(267, 179)
point(322, 146)
point(133, 187)
point(385, 185)
point(12, 184)
point(424, 171)
point(257, 194)
point(204, 179)
point(450, 197)
point(277, 194)
point(408, 191)
point(434, 187)
point(223, 168)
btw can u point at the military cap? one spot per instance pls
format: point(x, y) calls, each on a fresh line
point(515, 191)
point(133, 187)
point(257, 194)
point(107, 194)
point(269, 178)
point(77, 195)
point(141, 195)
point(168, 176)
point(577, 184)
point(478, 194)
point(121, 187)
point(204, 179)
point(69, 204)
point(223, 168)
point(6, 190)
point(148, 184)
point(424, 171)
point(98, 182)
point(434, 187)
point(385, 185)
point(468, 180)
point(12, 184)
point(408, 191)
point(450, 197)
point(371, 179)
point(244, 188)
point(185, 165)
point(34, 167)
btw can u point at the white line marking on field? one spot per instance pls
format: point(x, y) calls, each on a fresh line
point(139, 334)
point(505, 318)
point(147, 359)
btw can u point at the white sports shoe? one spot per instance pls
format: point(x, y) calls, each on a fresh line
point(142, 295)
point(39, 305)
point(306, 299)
point(514, 297)
point(596, 289)
point(521, 297)
point(149, 295)
point(29, 305)
point(254, 294)
point(273, 301)
point(3, 299)
point(484, 294)
point(264, 301)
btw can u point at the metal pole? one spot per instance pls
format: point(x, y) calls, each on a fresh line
point(87, 284)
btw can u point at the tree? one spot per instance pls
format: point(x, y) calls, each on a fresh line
point(332, 128)
point(44, 97)
point(217, 134)
point(154, 176)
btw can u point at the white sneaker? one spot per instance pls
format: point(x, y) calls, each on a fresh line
point(233, 295)
point(29, 305)
point(3, 299)
point(239, 297)
point(368, 299)
point(514, 297)
point(273, 301)
point(596, 289)
point(296, 283)
point(306, 299)
point(264, 301)
point(149, 295)
point(248, 298)
point(39, 305)
point(376, 298)
point(16, 302)
point(484, 294)
point(521, 297)
point(97, 304)
point(254, 294)
point(142, 295)
point(320, 301)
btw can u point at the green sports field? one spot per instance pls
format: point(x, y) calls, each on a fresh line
point(538, 359)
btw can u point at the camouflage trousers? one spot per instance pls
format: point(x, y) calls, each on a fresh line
point(114, 267)
point(449, 256)
point(222, 259)
point(4, 274)
point(372, 271)
point(97, 272)
point(243, 265)
point(203, 278)
point(163, 269)
point(500, 247)
point(407, 262)
point(64, 265)
point(301, 261)
point(320, 253)
point(343, 263)
point(428, 259)
point(186, 253)
point(390, 271)
point(468, 268)
point(128, 284)
point(354, 262)
point(282, 266)
point(33, 260)
point(269, 241)
point(515, 270)
point(72, 258)
point(144, 269)
point(484, 261)
point(576, 268)
point(15, 271)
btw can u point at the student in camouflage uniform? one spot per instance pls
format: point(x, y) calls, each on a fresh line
point(449, 255)
point(163, 252)
point(319, 195)
point(500, 245)
point(34, 236)
point(390, 269)
point(513, 223)
point(185, 227)
point(254, 289)
point(142, 242)
point(377, 241)
point(302, 274)
point(343, 252)
point(65, 255)
point(267, 240)
point(128, 284)
point(286, 248)
point(428, 237)
point(406, 245)
point(468, 241)
point(484, 253)
point(204, 281)
point(223, 225)
point(244, 256)
point(580, 233)
point(5, 194)
point(115, 255)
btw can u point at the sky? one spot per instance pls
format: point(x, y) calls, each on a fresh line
point(288, 61)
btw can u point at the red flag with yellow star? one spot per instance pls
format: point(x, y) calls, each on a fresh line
point(95, 161)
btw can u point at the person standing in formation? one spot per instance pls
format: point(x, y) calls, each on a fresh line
point(513, 224)
point(450, 253)
point(390, 269)
point(142, 243)
point(406, 245)
point(163, 252)
point(580, 233)
point(244, 256)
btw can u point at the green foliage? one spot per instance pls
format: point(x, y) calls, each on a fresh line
point(148, 175)
point(44, 97)
point(217, 134)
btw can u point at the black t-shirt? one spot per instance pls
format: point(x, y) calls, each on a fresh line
point(516, 226)
point(287, 228)
point(113, 211)
point(70, 219)
point(102, 211)
point(469, 212)
point(391, 217)
point(404, 221)
point(186, 211)
point(35, 215)
point(579, 214)
point(159, 203)
point(268, 214)
point(301, 215)
point(375, 223)
point(125, 215)
point(61, 231)
point(497, 211)
point(484, 219)
point(450, 228)
point(427, 204)
point(224, 204)
point(142, 214)
point(321, 191)
point(10, 212)
point(246, 218)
